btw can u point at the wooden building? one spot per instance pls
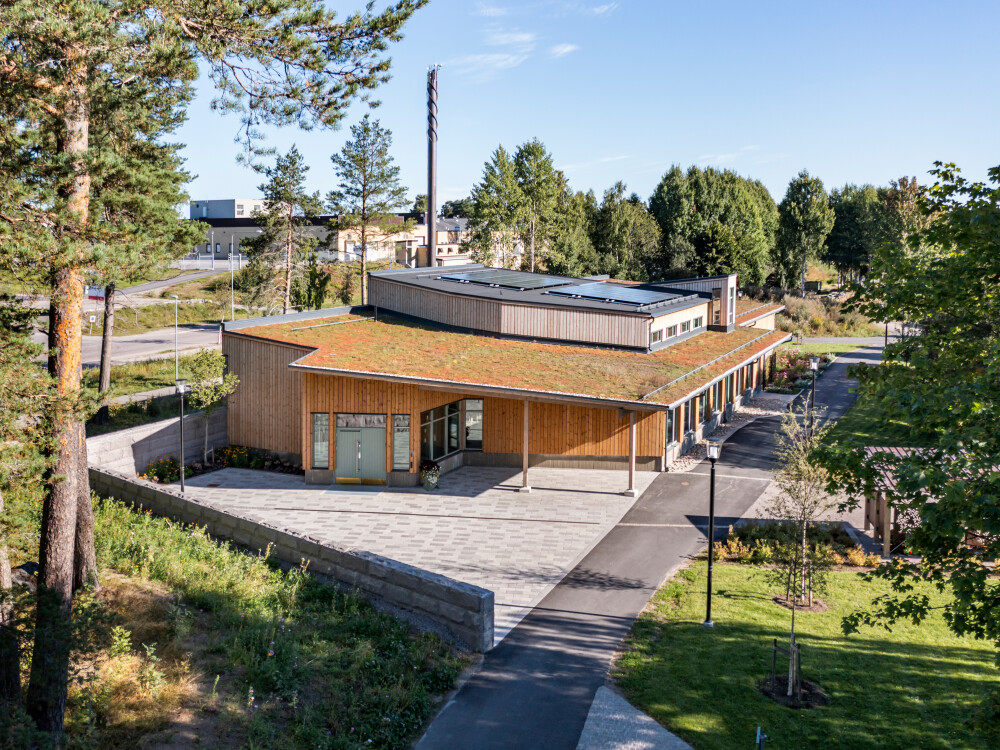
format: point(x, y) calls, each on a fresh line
point(487, 367)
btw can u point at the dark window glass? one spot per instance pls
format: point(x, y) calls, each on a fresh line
point(474, 424)
point(321, 441)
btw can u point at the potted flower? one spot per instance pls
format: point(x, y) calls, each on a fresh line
point(429, 474)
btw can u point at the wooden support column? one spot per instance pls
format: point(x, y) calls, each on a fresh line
point(886, 527)
point(631, 491)
point(525, 487)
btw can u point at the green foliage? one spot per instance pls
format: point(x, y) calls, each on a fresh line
point(857, 228)
point(626, 236)
point(456, 209)
point(712, 223)
point(497, 212)
point(420, 204)
point(540, 186)
point(210, 383)
point(804, 220)
point(572, 251)
point(368, 191)
point(946, 380)
point(909, 688)
point(317, 666)
point(287, 214)
point(255, 287)
point(310, 291)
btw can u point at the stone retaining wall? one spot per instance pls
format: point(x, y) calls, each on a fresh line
point(131, 451)
point(459, 611)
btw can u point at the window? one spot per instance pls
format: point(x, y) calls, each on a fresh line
point(217, 246)
point(689, 414)
point(732, 304)
point(670, 426)
point(239, 209)
point(474, 424)
point(671, 331)
point(739, 381)
point(321, 441)
point(703, 407)
point(698, 322)
point(717, 306)
point(400, 442)
point(657, 336)
point(685, 326)
point(439, 434)
point(717, 401)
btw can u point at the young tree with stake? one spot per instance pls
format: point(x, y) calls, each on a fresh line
point(210, 384)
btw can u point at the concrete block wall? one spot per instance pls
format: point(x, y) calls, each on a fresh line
point(131, 451)
point(458, 611)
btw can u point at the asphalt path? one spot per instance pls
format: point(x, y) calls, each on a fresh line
point(157, 344)
point(534, 690)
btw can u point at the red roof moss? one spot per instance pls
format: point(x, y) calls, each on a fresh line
point(401, 347)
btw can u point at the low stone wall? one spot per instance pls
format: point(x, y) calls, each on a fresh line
point(459, 611)
point(131, 451)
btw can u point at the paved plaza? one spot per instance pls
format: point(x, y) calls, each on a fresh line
point(476, 527)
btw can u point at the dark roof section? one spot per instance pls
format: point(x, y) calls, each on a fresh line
point(549, 290)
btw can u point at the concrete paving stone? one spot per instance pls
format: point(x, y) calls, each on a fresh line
point(614, 724)
point(476, 528)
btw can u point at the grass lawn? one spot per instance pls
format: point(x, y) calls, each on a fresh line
point(202, 288)
point(862, 423)
point(193, 643)
point(155, 317)
point(136, 377)
point(911, 688)
point(811, 348)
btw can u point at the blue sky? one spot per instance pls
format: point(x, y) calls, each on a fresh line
point(852, 91)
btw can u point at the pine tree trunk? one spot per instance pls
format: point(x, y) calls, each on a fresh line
point(10, 656)
point(109, 327)
point(288, 265)
point(364, 263)
point(47, 686)
point(84, 555)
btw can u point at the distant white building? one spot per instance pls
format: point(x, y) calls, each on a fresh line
point(226, 208)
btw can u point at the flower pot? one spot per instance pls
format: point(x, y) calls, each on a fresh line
point(430, 483)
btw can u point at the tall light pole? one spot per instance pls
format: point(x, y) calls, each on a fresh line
point(232, 285)
point(180, 392)
point(177, 369)
point(814, 368)
point(714, 446)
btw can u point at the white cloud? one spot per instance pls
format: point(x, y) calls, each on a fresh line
point(560, 50)
point(500, 38)
point(600, 10)
point(491, 11)
point(483, 67)
point(594, 163)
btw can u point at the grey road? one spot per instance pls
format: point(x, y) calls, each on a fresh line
point(148, 345)
point(535, 689)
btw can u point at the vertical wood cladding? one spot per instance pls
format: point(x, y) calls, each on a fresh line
point(264, 411)
point(554, 429)
point(530, 321)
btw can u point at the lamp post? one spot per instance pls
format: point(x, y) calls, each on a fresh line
point(814, 368)
point(177, 369)
point(181, 383)
point(714, 446)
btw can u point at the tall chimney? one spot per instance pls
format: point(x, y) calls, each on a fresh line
point(432, 137)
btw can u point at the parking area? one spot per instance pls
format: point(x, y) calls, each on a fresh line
point(476, 527)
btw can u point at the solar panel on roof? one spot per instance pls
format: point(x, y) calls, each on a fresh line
point(615, 293)
point(507, 279)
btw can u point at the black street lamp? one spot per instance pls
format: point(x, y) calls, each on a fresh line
point(181, 383)
point(814, 368)
point(714, 446)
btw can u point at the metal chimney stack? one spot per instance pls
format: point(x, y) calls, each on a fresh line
point(432, 137)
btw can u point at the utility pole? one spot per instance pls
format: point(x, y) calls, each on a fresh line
point(432, 137)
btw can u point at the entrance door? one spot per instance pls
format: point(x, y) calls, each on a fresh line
point(361, 455)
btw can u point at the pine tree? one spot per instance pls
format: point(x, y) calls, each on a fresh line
point(89, 90)
point(369, 190)
point(288, 210)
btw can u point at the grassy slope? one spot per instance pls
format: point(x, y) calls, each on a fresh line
point(862, 423)
point(156, 317)
point(135, 377)
point(910, 688)
point(296, 664)
point(809, 348)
